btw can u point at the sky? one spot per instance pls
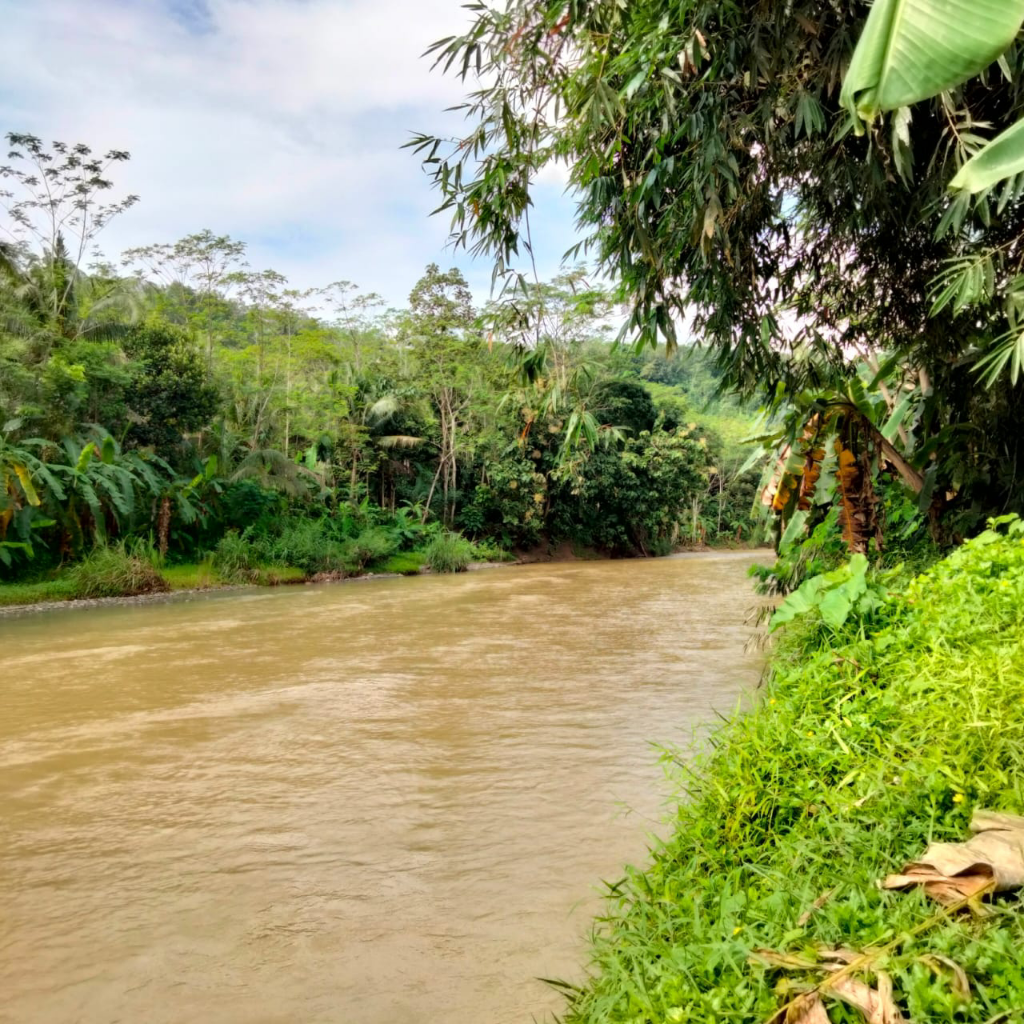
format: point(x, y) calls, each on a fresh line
point(277, 122)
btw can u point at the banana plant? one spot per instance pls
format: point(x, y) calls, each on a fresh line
point(20, 515)
point(93, 486)
point(830, 448)
point(911, 50)
point(181, 498)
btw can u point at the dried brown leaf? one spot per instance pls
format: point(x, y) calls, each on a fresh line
point(789, 961)
point(993, 858)
point(807, 1009)
point(876, 1006)
point(842, 955)
point(961, 984)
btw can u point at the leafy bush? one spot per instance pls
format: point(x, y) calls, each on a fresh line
point(818, 553)
point(449, 553)
point(116, 571)
point(372, 545)
point(835, 598)
point(308, 545)
point(246, 505)
point(861, 753)
point(490, 551)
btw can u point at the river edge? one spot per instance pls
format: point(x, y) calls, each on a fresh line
point(188, 593)
point(786, 830)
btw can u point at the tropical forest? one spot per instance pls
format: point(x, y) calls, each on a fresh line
point(634, 638)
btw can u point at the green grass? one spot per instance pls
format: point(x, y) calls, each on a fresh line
point(274, 575)
point(408, 563)
point(60, 589)
point(868, 744)
point(204, 575)
point(75, 583)
point(191, 576)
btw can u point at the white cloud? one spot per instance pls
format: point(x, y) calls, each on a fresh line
point(276, 121)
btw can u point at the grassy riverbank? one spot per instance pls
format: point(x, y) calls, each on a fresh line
point(871, 741)
point(134, 570)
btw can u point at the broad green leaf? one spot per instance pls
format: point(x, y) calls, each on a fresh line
point(801, 601)
point(794, 529)
point(899, 414)
point(911, 50)
point(1002, 158)
point(835, 607)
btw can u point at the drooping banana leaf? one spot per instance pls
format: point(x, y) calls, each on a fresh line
point(911, 50)
point(1002, 158)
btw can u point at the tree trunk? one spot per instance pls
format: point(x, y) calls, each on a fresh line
point(163, 525)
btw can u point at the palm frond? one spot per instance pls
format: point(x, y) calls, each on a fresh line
point(399, 441)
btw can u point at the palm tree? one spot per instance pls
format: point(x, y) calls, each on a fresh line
point(273, 469)
point(58, 302)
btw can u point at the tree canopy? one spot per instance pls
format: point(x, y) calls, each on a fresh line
point(720, 181)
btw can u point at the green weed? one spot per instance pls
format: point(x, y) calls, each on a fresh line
point(238, 559)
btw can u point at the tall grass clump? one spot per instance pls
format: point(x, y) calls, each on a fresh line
point(239, 558)
point(872, 740)
point(116, 570)
point(448, 552)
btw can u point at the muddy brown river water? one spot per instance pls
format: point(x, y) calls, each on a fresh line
point(376, 803)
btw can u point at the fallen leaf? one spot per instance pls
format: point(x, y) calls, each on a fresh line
point(842, 956)
point(936, 961)
point(877, 1006)
point(808, 1009)
point(993, 858)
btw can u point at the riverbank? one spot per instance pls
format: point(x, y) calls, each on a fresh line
point(183, 580)
point(871, 741)
point(179, 589)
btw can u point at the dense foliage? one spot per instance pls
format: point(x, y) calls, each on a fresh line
point(721, 183)
point(205, 408)
point(876, 735)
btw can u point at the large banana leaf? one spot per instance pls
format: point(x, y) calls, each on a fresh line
point(1002, 158)
point(913, 49)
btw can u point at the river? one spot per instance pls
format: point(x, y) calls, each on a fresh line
point(372, 803)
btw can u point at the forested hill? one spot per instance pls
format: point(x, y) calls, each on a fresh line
point(180, 398)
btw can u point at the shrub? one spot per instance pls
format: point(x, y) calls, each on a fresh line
point(307, 544)
point(372, 545)
point(116, 571)
point(449, 552)
point(490, 551)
